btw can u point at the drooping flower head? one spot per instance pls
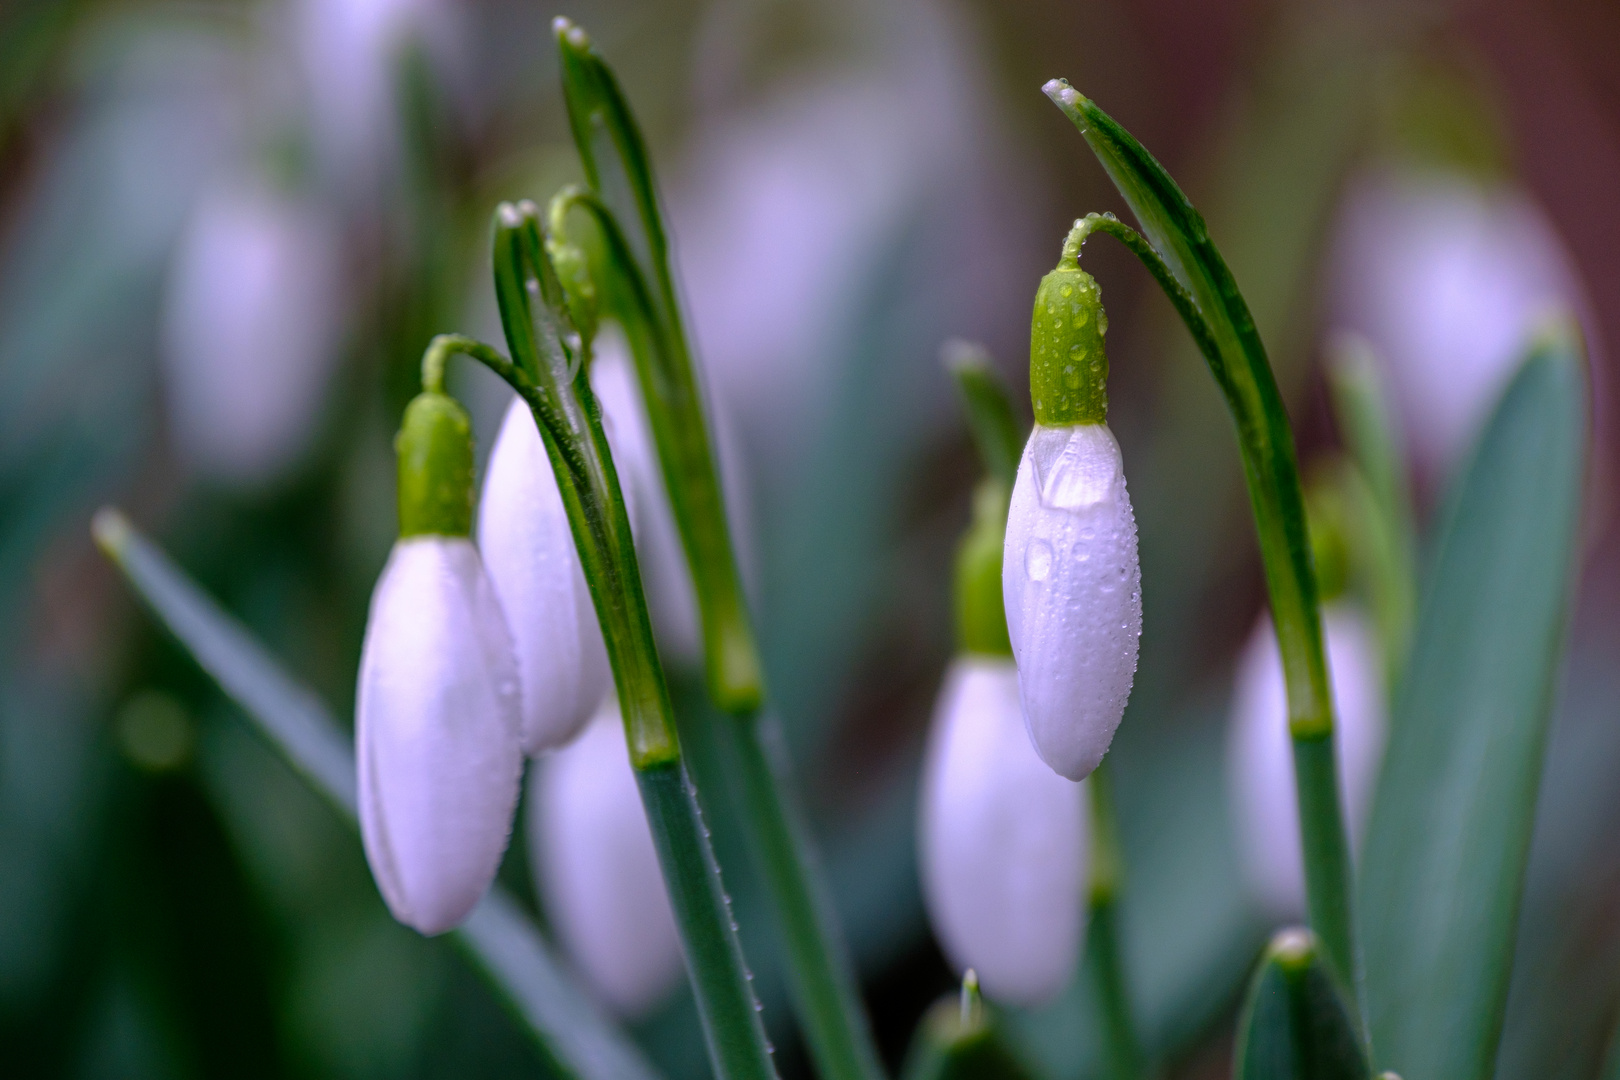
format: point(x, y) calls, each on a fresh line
point(439, 702)
point(1002, 839)
point(1070, 574)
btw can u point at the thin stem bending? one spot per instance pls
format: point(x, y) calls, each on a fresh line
point(548, 371)
point(1178, 252)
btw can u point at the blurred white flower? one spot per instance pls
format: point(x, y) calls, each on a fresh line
point(1003, 841)
point(436, 733)
point(1447, 276)
point(671, 596)
point(252, 327)
point(1260, 757)
point(529, 549)
point(351, 51)
point(1072, 584)
point(597, 870)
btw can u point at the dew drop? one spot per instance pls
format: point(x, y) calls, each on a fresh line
point(1038, 560)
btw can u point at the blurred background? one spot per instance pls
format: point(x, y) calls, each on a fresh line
point(228, 229)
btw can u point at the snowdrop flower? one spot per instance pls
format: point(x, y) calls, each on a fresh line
point(1002, 839)
point(529, 549)
point(1260, 761)
point(1070, 574)
point(438, 710)
point(252, 325)
point(1447, 277)
point(351, 52)
point(597, 871)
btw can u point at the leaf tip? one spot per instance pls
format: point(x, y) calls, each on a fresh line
point(1292, 949)
point(1063, 95)
point(570, 33)
point(111, 531)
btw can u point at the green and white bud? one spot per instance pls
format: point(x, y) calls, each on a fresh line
point(1071, 577)
point(438, 703)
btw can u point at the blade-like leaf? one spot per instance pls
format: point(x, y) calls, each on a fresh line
point(1295, 1025)
point(1451, 823)
point(498, 937)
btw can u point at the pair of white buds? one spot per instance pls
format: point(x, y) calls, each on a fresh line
point(476, 657)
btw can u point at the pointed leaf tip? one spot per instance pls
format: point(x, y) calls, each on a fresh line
point(110, 529)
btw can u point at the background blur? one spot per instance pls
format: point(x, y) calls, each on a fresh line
point(227, 230)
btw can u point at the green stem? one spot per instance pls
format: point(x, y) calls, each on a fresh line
point(713, 955)
point(820, 976)
point(1178, 252)
point(631, 265)
point(1123, 1056)
point(554, 382)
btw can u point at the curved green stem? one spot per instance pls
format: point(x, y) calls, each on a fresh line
point(550, 375)
point(1178, 252)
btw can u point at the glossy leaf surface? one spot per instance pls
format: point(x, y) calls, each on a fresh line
point(1451, 823)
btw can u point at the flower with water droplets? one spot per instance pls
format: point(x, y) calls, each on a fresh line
point(596, 869)
point(1002, 839)
point(528, 547)
point(1070, 574)
point(1260, 762)
point(438, 705)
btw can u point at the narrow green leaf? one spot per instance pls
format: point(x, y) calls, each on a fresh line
point(959, 1039)
point(1451, 824)
point(997, 432)
point(1295, 1026)
point(1385, 545)
point(498, 937)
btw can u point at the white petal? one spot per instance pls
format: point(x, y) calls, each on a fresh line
point(529, 551)
point(1003, 840)
point(1073, 590)
point(251, 328)
point(1260, 754)
point(1448, 277)
point(436, 733)
point(597, 871)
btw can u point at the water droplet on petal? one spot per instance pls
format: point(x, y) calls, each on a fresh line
point(1038, 560)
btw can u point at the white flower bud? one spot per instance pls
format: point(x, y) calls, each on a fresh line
point(1003, 841)
point(1073, 590)
point(527, 545)
point(597, 871)
point(251, 331)
point(1260, 757)
point(436, 733)
point(1447, 277)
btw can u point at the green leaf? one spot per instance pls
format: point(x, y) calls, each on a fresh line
point(498, 937)
point(960, 1039)
point(1451, 824)
point(997, 431)
point(1295, 1025)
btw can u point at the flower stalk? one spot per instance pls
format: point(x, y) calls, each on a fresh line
point(548, 372)
point(626, 254)
point(1177, 251)
point(1122, 1053)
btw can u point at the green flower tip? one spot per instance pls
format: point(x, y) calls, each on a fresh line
point(1068, 367)
point(435, 449)
point(981, 613)
point(111, 531)
point(570, 33)
point(1293, 950)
